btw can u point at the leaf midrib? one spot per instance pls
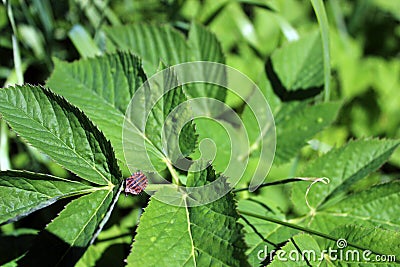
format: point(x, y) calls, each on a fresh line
point(192, 252)
point(193, 247)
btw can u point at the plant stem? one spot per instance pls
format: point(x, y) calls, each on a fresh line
point(16, 53)
point(174, 174)
point(300, 228)
point(285, 181)
point(319, 10)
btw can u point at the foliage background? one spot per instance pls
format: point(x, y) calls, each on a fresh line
point(365, 50)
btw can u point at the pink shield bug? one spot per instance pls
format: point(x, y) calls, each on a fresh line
point(136, 183)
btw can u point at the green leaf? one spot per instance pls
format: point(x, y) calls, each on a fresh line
point(299, 64)
point(372, 207)
point(343, 166)
point(219, 150)
point(173, 116)
point(158, 124)
point(170, 47)
point(106, 85)
point(261, 235)
point(152, 43)
point(265, 86)
point(319, 10)
point(106, 101)
point(377, 240)
point(291, 253)
point(66, 238)
point(25, 192)
point(207, 235)
point(83, 42)
point(60, 130)
point(204, 46)
point(296, 123)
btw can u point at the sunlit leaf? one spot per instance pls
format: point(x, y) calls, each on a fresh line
point(60, 130)
point(189, 236)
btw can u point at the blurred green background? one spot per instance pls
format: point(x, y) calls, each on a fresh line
point(365, 53)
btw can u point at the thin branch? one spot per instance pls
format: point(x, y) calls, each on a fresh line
point(301, 228)
point(285, 181)
point(258, 233)
point(299, 250)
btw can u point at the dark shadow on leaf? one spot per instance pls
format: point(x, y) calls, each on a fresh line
point(114, 256)
point(12, 247)
point(282, 92)
point(50, 250)
point(271, 255)
point(40, 218)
